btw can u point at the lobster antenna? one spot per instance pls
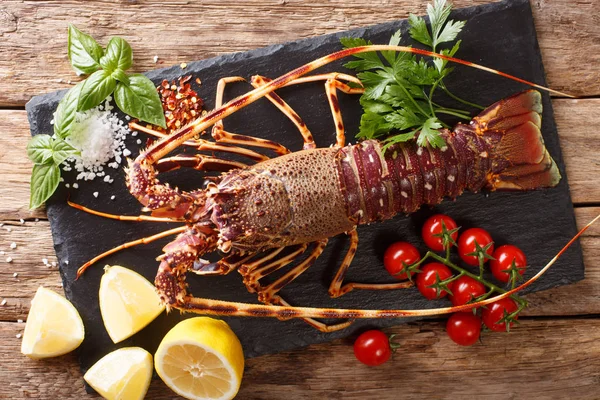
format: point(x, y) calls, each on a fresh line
point(219, 307)
point(170, 143)
point(136, 218)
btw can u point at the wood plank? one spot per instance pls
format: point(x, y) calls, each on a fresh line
point(34, 36)
point(550, 359)
point(573, 118)
point(34, 243)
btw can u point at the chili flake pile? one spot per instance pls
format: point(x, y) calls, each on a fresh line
point(180, 103)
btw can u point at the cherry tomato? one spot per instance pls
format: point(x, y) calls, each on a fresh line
point(465, 289)
point(433, 227)
point(428, 277)
point(464, 328)
point(466, 244)
point(398, 253)
point(372, 348)
point(494, 312)
point(504, 256)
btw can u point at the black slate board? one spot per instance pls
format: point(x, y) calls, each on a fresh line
point(500, 35)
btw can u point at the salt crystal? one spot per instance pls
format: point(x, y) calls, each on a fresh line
point(69, 82)
point(18, 335)
point(112, 197)
point(2, 252)
point(67, 185)
point(15, 274)
point(183, 65)
point(3, 302)
point(76, 185)
point(8, 259)
point(138, 141)
point(1, 225)
point(106, 179)
point(8, 229)
point(155, 59)
point(37, 220)
point(13, 245)
point(134, 133)
point(59, 80)
point(127, 117)
point(95, 194)
point(20, 321)
point(66, 262)
point(54, 263)
point(22, 221)
point(126, 152)
point(45, 261)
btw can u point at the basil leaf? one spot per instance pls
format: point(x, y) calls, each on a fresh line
point(44, 181)
point(62, 150)
point(140, 100)
point(39, 149)
point(120, 76)
point(66, 110)
point(84, 52)
point(95, 89)
point(118, 55)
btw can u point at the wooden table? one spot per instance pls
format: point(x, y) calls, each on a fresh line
point(554, 353)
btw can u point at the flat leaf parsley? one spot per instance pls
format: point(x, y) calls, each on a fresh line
point(399, 87)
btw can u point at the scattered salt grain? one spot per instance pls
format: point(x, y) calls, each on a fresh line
point(127, 117)
point(15, 274)
point(134, 133)
point(1, 225)
point(69, 82)
point(3, 302)
point(67, 185)
point(106, 179)
point(112, 197)
point(95, 194)
point(22, 221)
point(18, 335)
point(59, 80)
point(2, 252)
point(183, 65)
point(139, 141)
point(45, 261)
point(37, 220)
point(8, 229)
point(126, 152)
point(155, 59)
point(76, 186)
point(66, 262)
point(54, 263)
point(20, 321)
point(8, 259)
point(13, 245)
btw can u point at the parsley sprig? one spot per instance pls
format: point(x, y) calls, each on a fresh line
point(399, 87)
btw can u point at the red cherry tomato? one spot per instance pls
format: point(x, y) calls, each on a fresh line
point(398, 253)
point(433, 227)
point(464, 328)
point(465, 289)
point(494, 312)
point(372, 348)
point(428, 277)
point(504, 256)
point(466, 244)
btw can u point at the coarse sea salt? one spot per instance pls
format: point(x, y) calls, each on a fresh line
point(99, 135)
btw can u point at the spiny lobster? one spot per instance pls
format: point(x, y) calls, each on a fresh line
point(252, 213)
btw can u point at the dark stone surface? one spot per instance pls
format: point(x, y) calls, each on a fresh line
point(499, 35)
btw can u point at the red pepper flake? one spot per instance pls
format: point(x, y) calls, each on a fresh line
point(180, 103)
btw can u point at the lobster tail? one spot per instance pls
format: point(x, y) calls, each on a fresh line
point(519, 158)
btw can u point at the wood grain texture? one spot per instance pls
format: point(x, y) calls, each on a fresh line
point(35, 35)
point(549, 358)
point(534, 361)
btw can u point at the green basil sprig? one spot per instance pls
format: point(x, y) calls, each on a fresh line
point(134, 94)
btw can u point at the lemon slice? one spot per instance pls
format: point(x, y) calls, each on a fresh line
point(201, 358)
point(123, 374)
point(128, 302)
point(53, 328)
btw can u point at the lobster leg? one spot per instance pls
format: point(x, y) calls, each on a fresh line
point(331, 86)
point(197, 161)
point(309, 141)
point(336, 289)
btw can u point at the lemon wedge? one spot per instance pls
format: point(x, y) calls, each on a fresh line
point(128, 302)
point(201, 358)
point(122, 374)
point(53, 328)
